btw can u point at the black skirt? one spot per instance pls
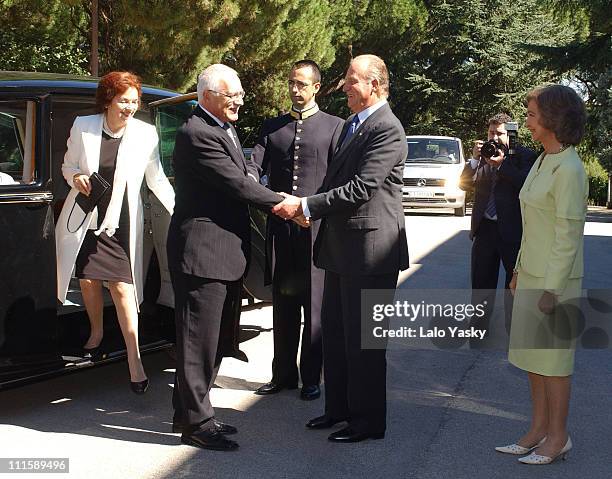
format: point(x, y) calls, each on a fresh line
point(102, 257)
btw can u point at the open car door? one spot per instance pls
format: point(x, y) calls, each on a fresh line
point(28, 322)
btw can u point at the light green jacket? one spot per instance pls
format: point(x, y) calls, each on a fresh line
point(554, 205)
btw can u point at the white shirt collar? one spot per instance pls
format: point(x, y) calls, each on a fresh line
point(106, 129)
point(219, 122)
point(364, 114)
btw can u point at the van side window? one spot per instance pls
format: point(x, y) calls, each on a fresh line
point(17, 142)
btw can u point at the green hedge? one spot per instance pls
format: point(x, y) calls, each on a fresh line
point(598, 182)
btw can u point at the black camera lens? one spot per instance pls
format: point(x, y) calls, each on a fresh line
point(488, 149)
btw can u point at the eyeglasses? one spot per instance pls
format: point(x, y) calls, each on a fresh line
point(298, 84)
point(232, 96)
point(125, 103)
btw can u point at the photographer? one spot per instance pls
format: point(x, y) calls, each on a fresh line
point(496, 174)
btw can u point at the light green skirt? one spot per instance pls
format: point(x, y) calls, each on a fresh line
point(540, 343)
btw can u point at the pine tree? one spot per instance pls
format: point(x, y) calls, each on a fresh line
point(472, 64)
point(42, 35)
point(586, 60)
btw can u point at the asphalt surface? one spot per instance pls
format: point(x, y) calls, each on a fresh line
point(446, 409)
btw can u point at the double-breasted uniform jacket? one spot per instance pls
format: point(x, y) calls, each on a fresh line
point(511, 175)
point(139, 153)
point(363, 231)
point(294, 154)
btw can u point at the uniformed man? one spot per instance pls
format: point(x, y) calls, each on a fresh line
point(293, 151)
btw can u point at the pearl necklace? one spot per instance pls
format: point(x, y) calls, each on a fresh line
point(109, 132)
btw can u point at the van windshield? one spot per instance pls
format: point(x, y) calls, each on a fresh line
point(428, 150)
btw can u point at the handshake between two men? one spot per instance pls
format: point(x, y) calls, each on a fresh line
point(291, 209)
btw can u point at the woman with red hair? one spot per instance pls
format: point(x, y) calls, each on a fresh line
point(107, 245)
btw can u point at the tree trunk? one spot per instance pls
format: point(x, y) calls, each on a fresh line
point(93, 59)
point(609, 202)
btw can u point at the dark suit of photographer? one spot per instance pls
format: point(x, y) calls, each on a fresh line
point(496, 227)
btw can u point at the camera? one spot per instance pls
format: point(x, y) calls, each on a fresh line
point(512, 129)
point(490, 148)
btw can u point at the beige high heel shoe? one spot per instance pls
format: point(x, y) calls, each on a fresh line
point(537, 459)
point(518, 450)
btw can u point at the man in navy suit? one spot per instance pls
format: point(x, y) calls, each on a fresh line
point(361, 245)
point(496, 227)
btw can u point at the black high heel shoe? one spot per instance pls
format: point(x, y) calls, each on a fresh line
point(139, 387)
point(94, 354)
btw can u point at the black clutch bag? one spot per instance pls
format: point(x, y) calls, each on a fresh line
point(98, 187)
point(87, 203)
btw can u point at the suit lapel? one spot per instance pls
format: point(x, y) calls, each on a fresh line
point(92, 139)
point(340, 155)
point(235, 151)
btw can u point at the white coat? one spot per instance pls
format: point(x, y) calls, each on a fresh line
point(139, 151)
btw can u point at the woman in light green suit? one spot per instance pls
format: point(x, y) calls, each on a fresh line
point(549, 269)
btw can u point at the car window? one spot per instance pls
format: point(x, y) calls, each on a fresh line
point(17, 142)
point(168, 119)
point(65, 110)
point(428, 150)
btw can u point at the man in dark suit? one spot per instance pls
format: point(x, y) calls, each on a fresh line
point(208, 248)
point(294, 151)
point(361, 245)
point(496, 227)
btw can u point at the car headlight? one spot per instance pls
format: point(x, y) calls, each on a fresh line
point(452, 183)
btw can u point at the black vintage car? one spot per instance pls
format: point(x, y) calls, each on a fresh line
point(38, 335)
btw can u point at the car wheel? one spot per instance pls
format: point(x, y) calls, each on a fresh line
point(460, 211)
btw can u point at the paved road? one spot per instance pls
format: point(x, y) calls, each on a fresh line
point(446, 409)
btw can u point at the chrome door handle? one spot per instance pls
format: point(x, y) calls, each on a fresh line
point(26, 197)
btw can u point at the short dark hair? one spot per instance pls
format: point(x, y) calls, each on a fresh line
point(562, 111)
point(499, 119)
point(316, 71)
point(115, 83)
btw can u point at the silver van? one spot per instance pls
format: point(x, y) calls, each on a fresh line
point(432, 172)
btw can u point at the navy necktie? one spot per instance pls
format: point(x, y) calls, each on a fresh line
point(490, 210)
point(351, 129)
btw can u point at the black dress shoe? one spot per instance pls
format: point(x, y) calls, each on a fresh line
point(139, 387)
point(348, 434)
point(323, 422)
point(177, 426)
point(210, 439)
point(273, 388)
point(224, 428)
point(310, 392)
